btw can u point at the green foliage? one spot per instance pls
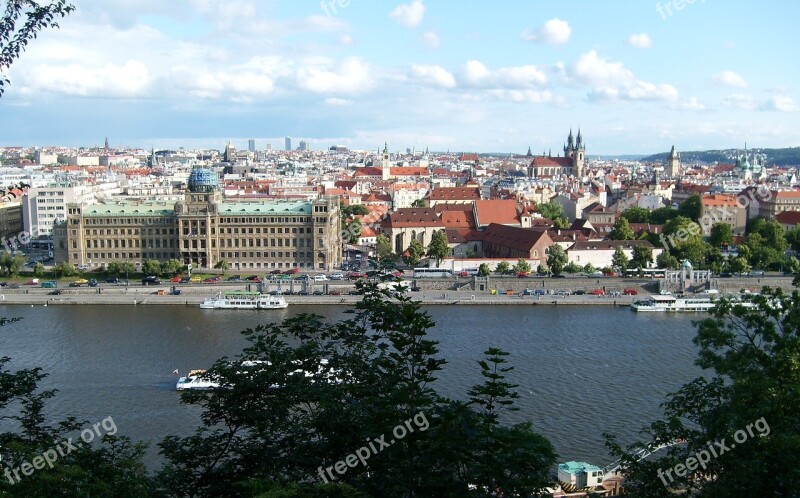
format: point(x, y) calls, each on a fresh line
point(64, 269)
point(522, 266)
point(620, 260)
point(270, 425)
point(721, 235)
point(642, 257)
point(12, 264)
point(550, 210)
point(172, 267)
point(502, 268)
point(793, 238)
point(636, 214)
point(667, 260)
point(589, 268)
point(662, 215)
point(15, 35)
point(438, 248)
point(738, 265)
point(622, 231)
point(690, 208)
point(353, 210)
point(38, 270)
point(418, 203)
point(685, 240)
point(383, 246)
point(352, 231)
point(151, 267)
point(414, 253)
point(556, 259)
point(749, 357)
point(572, 268)
point(562, 223)
point(483, 270)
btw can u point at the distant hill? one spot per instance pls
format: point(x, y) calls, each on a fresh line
point(774, 157)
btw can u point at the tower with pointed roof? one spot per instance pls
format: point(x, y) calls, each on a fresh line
point(385, 164)
point(673, 163)
point(575, 149)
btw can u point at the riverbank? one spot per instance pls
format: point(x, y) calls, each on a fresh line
point(428, 298)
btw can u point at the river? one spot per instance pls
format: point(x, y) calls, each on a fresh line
point(582, 371)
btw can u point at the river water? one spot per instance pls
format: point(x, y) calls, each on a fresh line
point(582, 371)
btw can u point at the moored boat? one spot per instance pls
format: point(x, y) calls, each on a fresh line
point(672, 303)
point(244, 301)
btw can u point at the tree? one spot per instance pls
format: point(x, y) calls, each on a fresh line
point(620, 260)
point(683, 237)
point(352, 232)
point(348, 211)
point(667, 260)
point(691, 207)
point(414, 253)
point(721, 235)
point(636, 214)
point(572, 268)
point(745, 402)
point(12, 264)
point(268, 425)
point(222, 264)
point(550, 210)
point(793, 238)
point(64, 269)
point(589, 268)
point(662, 215)
point(642, 256)
point(502, 268)
point(542, 270)
point(556, 259)
point(738, 265)
point(621, 231)
point(483, 270)
point(418, 203)
point(562, 223)
point(15, 36)
point(151, 267)
point(383, 246)
point(38, 269)
point(438, 248)
point(522, 266)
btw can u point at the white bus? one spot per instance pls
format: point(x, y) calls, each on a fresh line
point(432, 272)
point(647, 272)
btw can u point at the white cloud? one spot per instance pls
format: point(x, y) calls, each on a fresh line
point(612, 81)
point(639, 40)
point(433, 75)
point(691, 104)
point(352, 76)
point(780, 103)
point(476, 74)
point(431, 39)
point(334, 101)
point(740, 101)
point(409, 15)
point(345, 40)
point(729, 78)
point(109, 80)
point(553, 32)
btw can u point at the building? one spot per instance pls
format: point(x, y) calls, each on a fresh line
point(777, 201)
point(673, 164)
point(572, 163)
point(42, 206)
point(251, 145)
point(719, 208)
point(601, 253)
point(203, 229)
point(303, 146)
point(502, 241)
point(788, 219)
point(10, 219)
point(454, 195)
point(287, 143)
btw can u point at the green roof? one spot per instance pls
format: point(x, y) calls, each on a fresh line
point(265, 208)
point(130, 209)
point(577, 467)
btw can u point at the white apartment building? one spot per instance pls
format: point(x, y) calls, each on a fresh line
point(42, 206)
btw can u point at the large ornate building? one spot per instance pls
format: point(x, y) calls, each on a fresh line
point(572, 163)
point(204, 229)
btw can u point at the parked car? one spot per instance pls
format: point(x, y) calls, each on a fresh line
point(334, 293)
point(598, 292)
point(234, 278)
point(92, 282)
point(522, 274)
point(212, 280)
point(539, 292)
point(33, 281)
point(580, 292)
point(275, 272)
point(176, 280)
point(112, 280)
point(151, 280)
point(291, 271)
point(757, 273)
point(176, 292)
point(557, 276)
point(597, 274)
point(56, 292)
point(195, 280)
point(320, 278)
point(74, 284)
point(356, 275)
point(337, 276)
point(83, 267)
point(13, 286)
point(256, 280)
point(630, 292)
point(318, 292)
point(185, 280)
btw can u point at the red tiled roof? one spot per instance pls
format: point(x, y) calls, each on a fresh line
point(517, 238)
point(455, 193)
point(718, 200)
point(502, 211)
point(408, 171)
point(458, 219)
point(788, 217)
point(608, 244)
point(563, 162)
point(786, 194)
point(414, 217)
point(367, 171)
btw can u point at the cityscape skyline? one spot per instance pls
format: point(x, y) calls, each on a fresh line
point(418, 74)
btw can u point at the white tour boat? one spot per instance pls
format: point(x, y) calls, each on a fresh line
point(244, 301)
point(672, 303)
point(195, 380)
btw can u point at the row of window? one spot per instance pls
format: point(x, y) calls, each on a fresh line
point(187, 231)
point(201, 243)
point(130, 231)
point(122, 243)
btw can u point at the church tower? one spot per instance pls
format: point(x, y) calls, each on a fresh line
point(578, 156)
point(673, 164)
point(385, 164)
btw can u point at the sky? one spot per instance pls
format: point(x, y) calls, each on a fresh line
point(635, 76)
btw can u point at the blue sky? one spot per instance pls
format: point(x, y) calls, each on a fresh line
point(635, 76)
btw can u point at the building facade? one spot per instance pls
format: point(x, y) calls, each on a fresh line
point(204, 229)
